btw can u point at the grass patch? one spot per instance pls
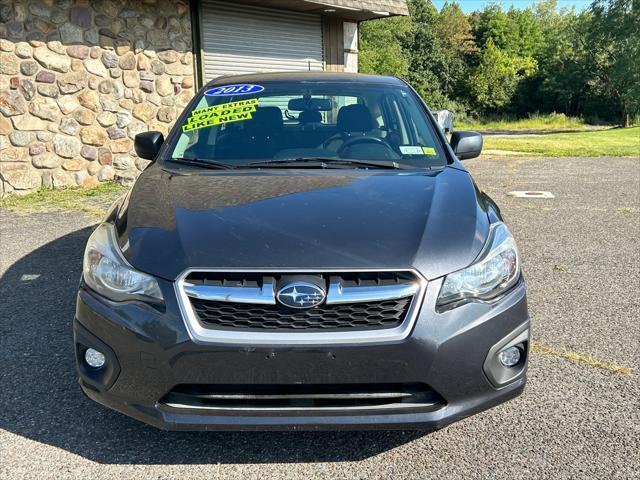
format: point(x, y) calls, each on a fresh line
point(561, 267)
point(93, 201)
point(626, 210)
point(554, 121)
point(579, 358)
point(615, 142)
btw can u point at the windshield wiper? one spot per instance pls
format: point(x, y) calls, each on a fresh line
point(201, 162)
point(323, 162)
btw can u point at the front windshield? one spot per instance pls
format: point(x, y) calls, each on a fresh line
point(274, 122)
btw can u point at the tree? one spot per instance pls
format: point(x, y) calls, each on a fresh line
point(495, 80)
point(537, 59)
point(526, 38)
point(457, 42)
point(560, 81)
point(493, 24)
point(422, 48)
point(509, 44)
point(614, 52)
point(380, 48)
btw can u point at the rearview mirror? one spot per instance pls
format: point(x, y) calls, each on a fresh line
point(147, 144)
point(301, 104)
point(466, 144)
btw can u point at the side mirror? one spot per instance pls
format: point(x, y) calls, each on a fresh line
point(147, 144)
point(466, 144)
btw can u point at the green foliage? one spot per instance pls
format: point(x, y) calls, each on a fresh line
point(458, 44)
point(614, 54)
point(559, 84)
point(424, 52)
point(508, 45)
point(527, 33)
point(454, 31)
point(516, 62)
point(494, 81)
point(380, 47)
point(493, 24)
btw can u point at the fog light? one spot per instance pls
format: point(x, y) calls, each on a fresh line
point(94, 358)
point(509, 357)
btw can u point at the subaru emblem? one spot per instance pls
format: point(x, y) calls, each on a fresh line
point(301, 295)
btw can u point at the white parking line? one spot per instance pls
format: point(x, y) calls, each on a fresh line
point(531, 194)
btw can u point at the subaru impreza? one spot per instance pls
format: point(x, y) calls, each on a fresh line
point(304, 251)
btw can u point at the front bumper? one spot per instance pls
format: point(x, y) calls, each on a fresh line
point(149, 352)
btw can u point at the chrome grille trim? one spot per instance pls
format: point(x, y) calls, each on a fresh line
point(264, 295)
point(337, 293)
point(393, 406)
point(205, 335)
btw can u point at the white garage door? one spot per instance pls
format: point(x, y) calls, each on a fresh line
point(244, 39)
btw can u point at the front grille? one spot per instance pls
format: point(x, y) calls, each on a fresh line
point(367, 315)
point(248, 301)
point(304, 397)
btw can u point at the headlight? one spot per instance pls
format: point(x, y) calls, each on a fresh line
point(495, 271)
point(107, 272)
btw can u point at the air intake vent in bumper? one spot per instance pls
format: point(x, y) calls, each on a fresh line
point(304, 397)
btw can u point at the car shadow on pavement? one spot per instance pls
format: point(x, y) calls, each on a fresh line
point(40, 398)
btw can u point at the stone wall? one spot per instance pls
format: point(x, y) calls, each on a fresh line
point(79, 79)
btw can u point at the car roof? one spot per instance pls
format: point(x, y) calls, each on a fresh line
point(305, 76)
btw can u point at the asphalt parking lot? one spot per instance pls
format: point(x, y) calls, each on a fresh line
point(578, 418)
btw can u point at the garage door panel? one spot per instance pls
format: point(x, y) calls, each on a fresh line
point(274, 48)
point(261, 62)
point(243, 39)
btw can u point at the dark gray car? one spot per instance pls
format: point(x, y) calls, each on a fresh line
point(306, 251)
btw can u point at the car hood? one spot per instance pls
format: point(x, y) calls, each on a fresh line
point(301, 219)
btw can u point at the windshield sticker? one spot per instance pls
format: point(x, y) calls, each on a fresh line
point(411, 150)
point(429, 151)
point(239, 89)
point(219, 114)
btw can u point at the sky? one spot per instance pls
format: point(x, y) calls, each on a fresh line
point(470, 5)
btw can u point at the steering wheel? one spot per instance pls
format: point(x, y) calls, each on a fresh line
point(361, 140)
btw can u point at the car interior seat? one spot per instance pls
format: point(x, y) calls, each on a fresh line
point(309, 116)
point(352, 120)
point(257, 137)
point(263, 133)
